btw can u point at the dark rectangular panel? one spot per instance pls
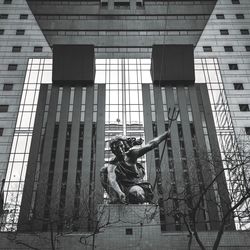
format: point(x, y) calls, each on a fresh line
point(73, 154)
point(173, 64)
point(188, 144)
point(32, 162)
point(206, 173)
point(73, 64)
point(45, 162)
point(165, 172)
point(86, 161)
point(60, 151)
point(218, 166)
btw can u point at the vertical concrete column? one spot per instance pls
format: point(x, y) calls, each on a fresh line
point(32, 162)
point(165, 173)
point(60, 151)
point(191, 163)
point(86, 159)
point(225, 202)
point(73, 154)
point(100, 142)
point(148, 128)
point(206, 173)
point(45, 162)
point(175, 143)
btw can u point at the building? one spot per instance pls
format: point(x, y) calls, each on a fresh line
point(48, 128)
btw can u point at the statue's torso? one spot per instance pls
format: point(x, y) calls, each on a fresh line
point(127, 174)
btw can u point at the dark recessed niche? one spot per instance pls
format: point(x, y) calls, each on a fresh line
point(220, 16)
point(247, 130)
point(233, 66)
point(207, 48)
point(224, 32)
point(228, 49)
point(38, 49)
point(12, 67)
point(238, 86)
point(4, 108)
point(122, 5)
point(129, 231)
point(23, 16)
point(244, 107)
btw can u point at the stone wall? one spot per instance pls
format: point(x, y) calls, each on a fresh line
point(124, 227)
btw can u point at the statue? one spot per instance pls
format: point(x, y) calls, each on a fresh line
point(122, 178)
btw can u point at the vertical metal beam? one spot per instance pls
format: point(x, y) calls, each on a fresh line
point(206, 173)
point(100, 142)
point(148, 128)
point(32, 162)
point(60, 150)
point(191, 163)
point(165, 172)
point(86, 160)
point(225, 202)
point(73, 154)
point(46, 157)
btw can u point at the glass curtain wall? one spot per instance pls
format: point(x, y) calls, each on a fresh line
point(124, 115)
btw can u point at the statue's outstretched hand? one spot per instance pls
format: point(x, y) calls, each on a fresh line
point(122, 197)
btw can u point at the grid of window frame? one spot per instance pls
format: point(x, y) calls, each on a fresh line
point(37, 72)
point(116, 74)
point(124, 112)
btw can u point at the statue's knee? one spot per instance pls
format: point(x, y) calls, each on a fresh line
point(136, 194)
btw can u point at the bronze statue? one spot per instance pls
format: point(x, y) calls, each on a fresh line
point(122, 178)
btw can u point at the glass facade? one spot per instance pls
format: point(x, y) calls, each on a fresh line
point(123, 79)
point(38, 71)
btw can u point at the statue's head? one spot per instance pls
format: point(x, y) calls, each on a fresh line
point(121, 144)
